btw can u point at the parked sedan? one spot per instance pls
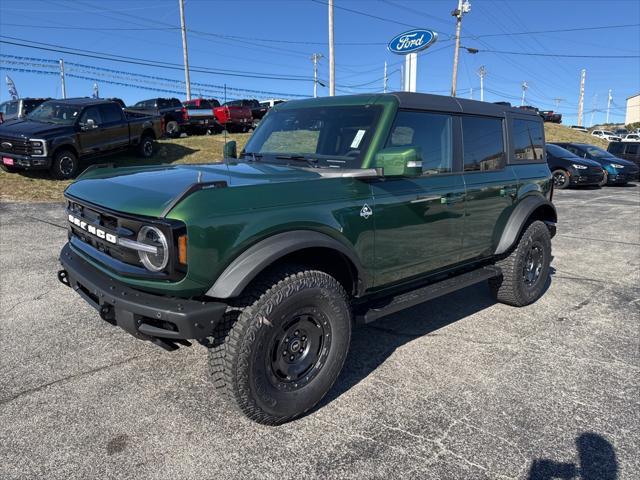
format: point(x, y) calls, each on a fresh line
point(569, 169)
point(607, 135)
point(616, 170)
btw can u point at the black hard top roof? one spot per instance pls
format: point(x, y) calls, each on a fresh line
point(82, 101)
point(426, 101)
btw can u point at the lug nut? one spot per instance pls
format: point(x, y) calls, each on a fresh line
point(286, 340)
point(304, 338)
point(296, 333)
point(291, 358)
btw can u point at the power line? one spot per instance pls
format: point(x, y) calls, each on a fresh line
point(563, 55)
point(364, 14)
point(562, 30)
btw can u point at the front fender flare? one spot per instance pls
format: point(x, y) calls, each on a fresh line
point(519, 217)
point(256, 258)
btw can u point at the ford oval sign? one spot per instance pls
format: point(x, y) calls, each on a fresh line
point(412, 41)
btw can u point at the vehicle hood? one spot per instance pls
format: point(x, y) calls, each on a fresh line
point(580, 161)
point(151, 191)
point(612, 159)
point(25, 128)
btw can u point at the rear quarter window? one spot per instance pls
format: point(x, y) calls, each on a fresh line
point(483, 143)
point(528, 141)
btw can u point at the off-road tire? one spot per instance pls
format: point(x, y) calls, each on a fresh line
point(146, 147)
point(64, 165)
point(240, 355)
point(561, 179)
point(511, 287)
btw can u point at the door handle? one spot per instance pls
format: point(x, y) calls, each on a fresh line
point(426, 198)
point(452, 198)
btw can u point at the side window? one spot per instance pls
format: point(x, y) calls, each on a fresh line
point(483, 144)
point(110, 113)
point(633, 148)
point(431, 133)
point(3, 107)
point(12, 108)
point(528, 140)
point(90, 113)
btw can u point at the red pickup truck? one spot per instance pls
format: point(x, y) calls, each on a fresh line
point(233, 118)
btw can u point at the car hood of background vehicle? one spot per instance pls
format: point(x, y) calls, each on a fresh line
point(29, 129)
point(619, 161)
point(150, 190)
point(580, 161)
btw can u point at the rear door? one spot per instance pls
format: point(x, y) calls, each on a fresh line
point(419, 221)
point(491, 185)
point(115, 129)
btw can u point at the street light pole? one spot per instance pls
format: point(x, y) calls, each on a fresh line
point(463, 7)
point(482, 72)
point(524, 91)
point(332, 59)
point(62, 82)
point(185, 54)
point(315, 57)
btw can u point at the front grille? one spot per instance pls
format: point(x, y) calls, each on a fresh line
point(594, 171)
point(18, 146)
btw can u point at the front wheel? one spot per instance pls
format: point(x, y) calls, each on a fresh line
point(561, 179)
point(283, 348)
point(64, 165)
point(605, 179)
point(526, 269)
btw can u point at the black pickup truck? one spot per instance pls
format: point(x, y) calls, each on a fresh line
point(59, 133)
point(174, 115)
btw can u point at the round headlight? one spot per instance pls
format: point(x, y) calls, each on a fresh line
point(154, 261)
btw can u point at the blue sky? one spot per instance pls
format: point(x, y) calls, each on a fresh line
point(276, 39)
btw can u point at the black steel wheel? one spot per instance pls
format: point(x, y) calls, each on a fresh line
point(145, 147)
point(526, 269)
point(561, 179)
point(281, 348)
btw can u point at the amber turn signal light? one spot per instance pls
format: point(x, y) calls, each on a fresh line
point(182, 249)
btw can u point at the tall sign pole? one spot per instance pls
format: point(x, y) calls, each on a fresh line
point(482, 72)
point(609, 105)
point(583, 76)
point(64, 87)
point(385, 80)
point(463, 7)
point(409, 44)
point(185, 54)
point(332, 58)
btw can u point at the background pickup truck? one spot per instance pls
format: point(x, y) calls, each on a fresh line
point(234, 118)
point(201, 115)
point(173, 114)
point(551, 116)
point(257, 110)
point(19, 108)
point(60, 133)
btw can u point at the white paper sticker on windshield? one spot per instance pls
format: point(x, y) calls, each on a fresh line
point(358, 138)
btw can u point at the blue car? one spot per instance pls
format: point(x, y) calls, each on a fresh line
point(616, 170)
point(570, 170)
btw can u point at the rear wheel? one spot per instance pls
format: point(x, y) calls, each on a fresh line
point(145, 147)
point(64, 165)
point(281, 349)
point(172, 129)
point(561, 179)
point(526, 269)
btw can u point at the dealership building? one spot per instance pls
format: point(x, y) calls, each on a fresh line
point(633, 109)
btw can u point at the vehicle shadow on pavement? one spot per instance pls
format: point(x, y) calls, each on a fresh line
point(372, 344)
point(596, 461)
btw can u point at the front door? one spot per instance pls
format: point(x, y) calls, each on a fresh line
point(419, 220)
point(491, 185)
point(90, 137)
point(115, 130)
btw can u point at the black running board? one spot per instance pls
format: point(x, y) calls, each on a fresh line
point(394, 304)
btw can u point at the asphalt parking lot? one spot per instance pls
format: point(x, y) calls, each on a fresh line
point(458, 388)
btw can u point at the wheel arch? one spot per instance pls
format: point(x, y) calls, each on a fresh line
point(530, 208)
point(148, 131)
point(65, 146)
point(305, 247)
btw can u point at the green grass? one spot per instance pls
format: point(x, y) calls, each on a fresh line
point(39, 187)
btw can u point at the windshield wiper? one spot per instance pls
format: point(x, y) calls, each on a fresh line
point(254, 156)
point(313, 162)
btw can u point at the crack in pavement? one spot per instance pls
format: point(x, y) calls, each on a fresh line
point(72, 377)
point(28, 300)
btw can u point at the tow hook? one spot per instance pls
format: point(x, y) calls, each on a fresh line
point(107, 314)
point(63, 277)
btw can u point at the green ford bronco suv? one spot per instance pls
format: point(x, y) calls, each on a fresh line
point(338, 210)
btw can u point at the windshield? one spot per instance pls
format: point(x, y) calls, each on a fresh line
point(54, 112)
point(335, 136)
point(597, 152)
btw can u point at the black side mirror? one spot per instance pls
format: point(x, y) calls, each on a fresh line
point(230, 149)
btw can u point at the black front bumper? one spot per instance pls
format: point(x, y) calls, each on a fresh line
point(165, 321)
point(26, 161)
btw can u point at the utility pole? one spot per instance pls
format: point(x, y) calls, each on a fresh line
point(185, 54)
point(64, 88)
point(609, 105)
point(583, 76)
point(471, 93)
point(458, 13)
point(315, 57)
point(385, 82)
point(524, 91)
point(557, 101)
point(593, 109)
point(481, 73)
point(332, 58)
